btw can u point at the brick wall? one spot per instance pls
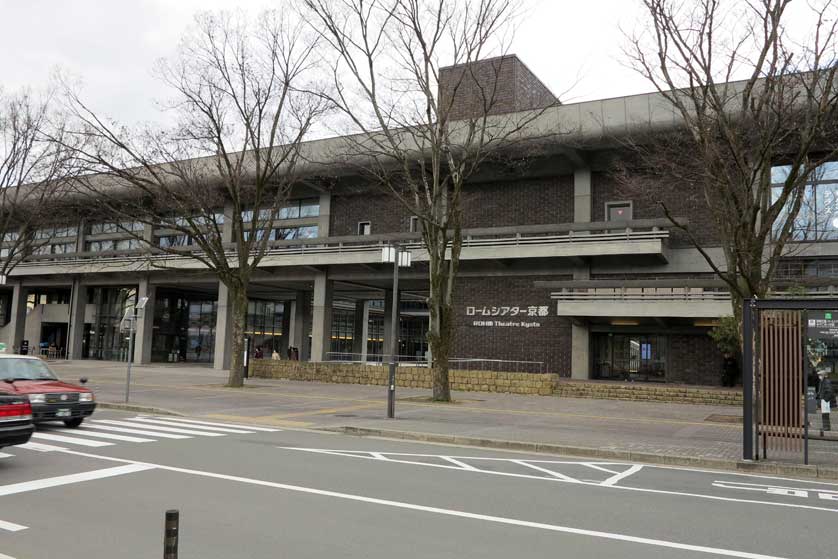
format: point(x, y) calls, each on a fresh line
point(409, 377)
point(524, 202)
point(690, 205)
point(549, 342)
point(694, 359)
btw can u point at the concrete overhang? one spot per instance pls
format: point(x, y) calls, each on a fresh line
point(645, 309)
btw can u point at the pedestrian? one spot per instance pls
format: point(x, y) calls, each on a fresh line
point(826, 395)
point(275, 355)
point(730, 370)
point(259, 353)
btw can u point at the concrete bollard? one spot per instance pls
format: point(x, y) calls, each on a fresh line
point(170, 535)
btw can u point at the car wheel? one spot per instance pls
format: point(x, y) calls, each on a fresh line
point(73, 423)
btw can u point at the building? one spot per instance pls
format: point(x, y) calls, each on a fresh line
point(561, 272)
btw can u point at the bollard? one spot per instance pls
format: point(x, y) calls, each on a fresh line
point(170, 535)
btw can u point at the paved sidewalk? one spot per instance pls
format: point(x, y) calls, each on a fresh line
point(711, 432)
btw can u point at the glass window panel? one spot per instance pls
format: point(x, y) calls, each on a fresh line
point(290, 211)
point(307, 232)
point(310, 207)
point(780, 174)
point(827, 211)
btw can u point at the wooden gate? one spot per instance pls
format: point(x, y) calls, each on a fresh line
point(781, 422)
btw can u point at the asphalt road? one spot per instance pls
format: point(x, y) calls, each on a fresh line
point(101, 492)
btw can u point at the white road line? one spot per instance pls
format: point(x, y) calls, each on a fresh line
point(546, 471)
point(40, 448)
point(69, 440)
point(11, 527)
point(614, 479)
point(45, 483)
point(158, 428)
point(462, 465)
point(233, 425)
point(450, 512)
point(379, 456)
point(6, 556)
point(110, 436)
point(136, 431)
point(6, 455)
point(203, 427)
point(600, 468)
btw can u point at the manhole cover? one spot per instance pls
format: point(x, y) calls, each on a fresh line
point(719, 418)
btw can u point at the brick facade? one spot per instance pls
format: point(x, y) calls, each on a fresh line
point(548, 342)
point(694, 359)
point(690, 205)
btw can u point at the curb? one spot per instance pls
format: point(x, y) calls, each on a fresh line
point(136, 408)
point(772, 468)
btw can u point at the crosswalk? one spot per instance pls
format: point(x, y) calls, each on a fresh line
point(99, 433)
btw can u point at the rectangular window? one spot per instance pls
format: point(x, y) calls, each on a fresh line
point(310, 207)
point(290, 211)
point(414, 224)
point(66, 231)
point(11, 236)
point(307, 232)
point(364, 228)
point(63, 248)
point(618, 211)
point(175, 241)
point(99, 246)
point(127, 244)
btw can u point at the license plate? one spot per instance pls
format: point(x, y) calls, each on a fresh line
point(63, 412)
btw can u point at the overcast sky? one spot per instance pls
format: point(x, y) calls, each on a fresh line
point(112, 46)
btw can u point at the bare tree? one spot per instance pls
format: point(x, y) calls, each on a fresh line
point(413, 138)
point(33, 176)
point(748, 98)
point(238, 97)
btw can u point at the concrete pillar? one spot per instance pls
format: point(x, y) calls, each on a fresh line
point(286, 329)
point(387, 347)
point(321, 325)
point(17, 320)
point(360, 330)
point(582, 195)
point(75, 334)
point(325, 215)
point(80, 240)
point(145, 323)
point(580, 364)
point(299, 323)
point(223, 330)
point(227, 226)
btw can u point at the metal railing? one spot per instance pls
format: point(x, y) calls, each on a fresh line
point(457, 363)
point(526, 235)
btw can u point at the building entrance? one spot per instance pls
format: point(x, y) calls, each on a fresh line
point(629, 356)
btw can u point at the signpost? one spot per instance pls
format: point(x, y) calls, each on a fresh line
point(392, 254)
point(129, 323)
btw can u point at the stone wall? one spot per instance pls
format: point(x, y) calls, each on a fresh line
point(408, 377)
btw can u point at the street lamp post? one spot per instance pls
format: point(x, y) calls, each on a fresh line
point(130, 319)
point(399, 258)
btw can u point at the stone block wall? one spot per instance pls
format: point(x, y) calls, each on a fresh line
point(409, 377)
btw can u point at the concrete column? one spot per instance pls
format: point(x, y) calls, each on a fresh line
point(80, 239)
point(145, 323)
point(387, 347)
point(582, 195)
point(321, 325)
point(580, 364)
point(223, 329)
point(17, 320)
point(325, 215)
point(286, 329)
point(299, 321)
point(227, 227)
point(75, 334)
point(360, 330)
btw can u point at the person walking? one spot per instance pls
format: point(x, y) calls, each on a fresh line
point(730, 370)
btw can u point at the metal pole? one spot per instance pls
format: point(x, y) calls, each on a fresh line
point(394, 338)
point(747, 383)
point(170, 534)
point(130, 354)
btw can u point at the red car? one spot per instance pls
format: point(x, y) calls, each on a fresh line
point(50, 398)
point(15, 420)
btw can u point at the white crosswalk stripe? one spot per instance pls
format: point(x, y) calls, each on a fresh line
point(233, 425)
point(40, 447)
point(6, 455)
point(204, 427)
point(159, 428)
point(109, 436)
point(69, 440)
point(99, 426)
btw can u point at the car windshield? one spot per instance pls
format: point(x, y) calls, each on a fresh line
point(25, 369)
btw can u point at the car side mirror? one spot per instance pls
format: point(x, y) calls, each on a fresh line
point(83, 380)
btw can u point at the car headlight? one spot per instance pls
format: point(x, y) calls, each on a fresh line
point(37, 398)
point(86, 397)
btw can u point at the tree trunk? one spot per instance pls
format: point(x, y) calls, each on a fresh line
point(238, 301)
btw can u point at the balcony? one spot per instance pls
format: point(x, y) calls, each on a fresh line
point(564, 240)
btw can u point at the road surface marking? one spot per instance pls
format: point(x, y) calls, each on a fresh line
point(456, 462)
point(69, 440)
point(109, 436)
point(596, 466)
point(136, 431)
point(5, 455)
point(158, 428)
point(11, 527)
point(366, 455)
point(41, 447)
point(614, 479)
point(546, 471)
point(447, 512)
point(215, 424)
point(203, 427)
point(45, 483)
point(6, 556)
